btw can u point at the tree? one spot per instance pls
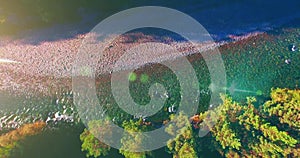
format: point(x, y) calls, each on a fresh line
point(243, 130)
point(284, 106)
point(132, 140)
point(240, 130)
point(90, 141)
point(183, 143)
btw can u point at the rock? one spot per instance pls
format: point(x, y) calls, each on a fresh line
point(293, 48)
point(287, 61)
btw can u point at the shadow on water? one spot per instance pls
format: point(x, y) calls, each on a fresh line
point(63, 142)
point(58, 143)
point(38, 21)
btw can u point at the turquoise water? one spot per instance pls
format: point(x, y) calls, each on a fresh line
point(257, 66)
point(247, 72)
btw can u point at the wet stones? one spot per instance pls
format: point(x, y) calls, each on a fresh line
point(293, 48)
point(287, 61)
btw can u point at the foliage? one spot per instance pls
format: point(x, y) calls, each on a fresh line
point(11, 140)
point(90, 141)
point(240, 130)
point(285, 106)
point(132, 139)
point(100, 128)
point(243, 130)
point(182, 145)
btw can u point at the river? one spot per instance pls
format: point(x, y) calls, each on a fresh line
point(29, 92)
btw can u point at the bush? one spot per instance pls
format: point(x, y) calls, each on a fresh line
point(11, 140)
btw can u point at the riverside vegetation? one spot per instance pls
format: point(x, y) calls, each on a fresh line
point(272, 130)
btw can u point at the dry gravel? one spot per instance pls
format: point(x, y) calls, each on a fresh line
point(47, 66)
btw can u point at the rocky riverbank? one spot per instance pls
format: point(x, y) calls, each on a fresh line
point(47, 66)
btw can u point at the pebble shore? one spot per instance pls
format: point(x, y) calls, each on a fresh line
point(48, 65)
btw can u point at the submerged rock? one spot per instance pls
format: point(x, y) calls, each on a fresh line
point(293, 48)
point(287, 61)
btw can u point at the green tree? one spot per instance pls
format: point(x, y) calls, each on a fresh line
point(183, 143)
point(132, 140)
point(284, 106)
point(243, 130)
point(240, 130)
point(90, 138)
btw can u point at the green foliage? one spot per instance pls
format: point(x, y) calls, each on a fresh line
point(223, 131)
point(187, 151)
point(227, 137)
point(284, 106)
point(92, 145)
point(240, 130)
point(132, 139)
point(243, 130)
point(183, 143)
point(90, 141)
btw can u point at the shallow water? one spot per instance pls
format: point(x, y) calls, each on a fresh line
point(261, 68)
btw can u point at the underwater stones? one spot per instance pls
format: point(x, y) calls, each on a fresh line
point(293, 48)
point(165, 95)
point(204, 91)
point(138, 116)
point(48, 119)
point(287, 61)
point(60, 117)
point(172, 109)
point(57, 101)
point(211, 106)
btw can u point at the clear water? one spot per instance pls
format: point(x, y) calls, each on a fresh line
point(220, 18)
